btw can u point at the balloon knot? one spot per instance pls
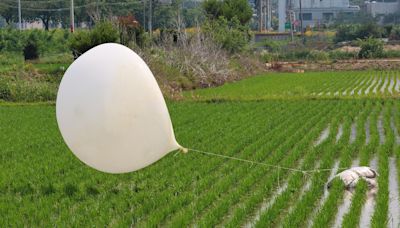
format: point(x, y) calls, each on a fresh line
point(184, 150)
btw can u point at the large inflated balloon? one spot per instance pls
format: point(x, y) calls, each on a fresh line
point(111, 112)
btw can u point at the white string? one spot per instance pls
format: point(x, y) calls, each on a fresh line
point(264, 164)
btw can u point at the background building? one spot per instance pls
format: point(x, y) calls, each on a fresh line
point(382, 7)
point(317, 12)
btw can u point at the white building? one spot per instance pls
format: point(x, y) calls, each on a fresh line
point(382, 7)
point(316, 12)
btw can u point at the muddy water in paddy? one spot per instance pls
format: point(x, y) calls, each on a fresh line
point(377, 85)
point(397, 87)
point(394, 200)
point(369, 205)
point(391, 85)
point(367, 132)
point(394, 129)
point(324, 135)
point(345, 206)
point(321, 202)
point(353, 133)
point(339, 133)
point(381, 131)
point(384, 85)
point(367, 82)
point(265, 205)
point(370, 86)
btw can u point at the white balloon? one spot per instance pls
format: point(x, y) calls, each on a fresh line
point(111, 112)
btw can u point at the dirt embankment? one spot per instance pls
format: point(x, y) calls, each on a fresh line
point(356, 64)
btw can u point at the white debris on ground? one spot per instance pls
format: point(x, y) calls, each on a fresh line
point(351, 176)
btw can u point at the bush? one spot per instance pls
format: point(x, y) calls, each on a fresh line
point(55, 41)
point(31, 49)
point(231, 35)
point(370, 48)
point(274, 45)
point(353, 32)
point(341, 55)
point(316, 55)
point(391, 54)
point(82, 41)
point(229, 9)
point(20, 90)
point(268, 57)
point(395, 33)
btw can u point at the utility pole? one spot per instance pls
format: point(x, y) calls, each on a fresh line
point(72, 17)
point(301, 19)
point(269, 15)
point(144, 15)
point(19, 15)
point(260, 15)
point(150, 17)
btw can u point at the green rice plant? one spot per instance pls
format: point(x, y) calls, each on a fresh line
point(351, 219)
point(300, 215)
point(209, 180)
point(190, 212)
point(294, 193)
point(380, 217)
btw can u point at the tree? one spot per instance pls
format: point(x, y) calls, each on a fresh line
point(49, 12)
point(370, 48)
point(228, 9)
point(8, 12)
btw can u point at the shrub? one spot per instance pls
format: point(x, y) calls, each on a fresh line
point(229, 9)
point(341, 55)
point(274, 45)
point(395, 33)
point(82, 41)
point(231, 35)
point(391, 54)
point(54, 41)
point(316, 55)
point(268, 57)
point(370, 48)
point(31, 49)
point(353, 32)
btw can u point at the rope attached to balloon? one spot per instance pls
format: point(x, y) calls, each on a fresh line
point(305, 172)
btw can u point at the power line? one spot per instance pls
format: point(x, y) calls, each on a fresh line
point(75, 7)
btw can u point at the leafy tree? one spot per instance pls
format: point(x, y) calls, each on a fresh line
point(231, 35)
point(82, 41)
point(44, 11)
point(349, 32)
point(228, 9)
point(370, 48)
point(8, 11)
point(31, 49)
point(395, 33)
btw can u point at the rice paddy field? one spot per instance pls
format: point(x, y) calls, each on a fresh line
point(314, 125)
point(359, 84)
